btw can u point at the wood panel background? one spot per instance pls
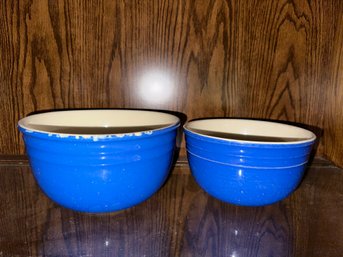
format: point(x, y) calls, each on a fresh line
point(268, 59)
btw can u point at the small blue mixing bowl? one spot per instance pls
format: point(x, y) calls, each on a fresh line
point(247, 162)
point(100, 160)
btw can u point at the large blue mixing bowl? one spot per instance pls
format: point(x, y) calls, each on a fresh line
point(247, 162)
point(100, 160)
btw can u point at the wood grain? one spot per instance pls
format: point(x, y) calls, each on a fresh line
point(179, 220)
point(265, 59)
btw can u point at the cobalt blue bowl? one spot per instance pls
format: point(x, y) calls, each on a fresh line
point(100, 160)
point(247, 162)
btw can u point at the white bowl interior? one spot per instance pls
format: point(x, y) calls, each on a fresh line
point(94, 122)
point(250, 131)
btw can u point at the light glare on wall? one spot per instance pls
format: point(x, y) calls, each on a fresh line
point(156, 87)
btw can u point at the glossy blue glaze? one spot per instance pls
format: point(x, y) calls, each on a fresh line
point(100, 173)
point(246, 173)
point(247, 153)
point(245, 185)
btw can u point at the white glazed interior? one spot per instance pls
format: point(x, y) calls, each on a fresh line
point(250, 128)
point(51, 121)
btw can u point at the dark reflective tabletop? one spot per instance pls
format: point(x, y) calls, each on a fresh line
point(179, 220)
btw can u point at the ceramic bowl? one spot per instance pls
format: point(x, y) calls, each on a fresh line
point(100, 160)
point(247, 162)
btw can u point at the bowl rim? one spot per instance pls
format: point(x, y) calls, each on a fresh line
point(170, 122)
point(311, 136)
